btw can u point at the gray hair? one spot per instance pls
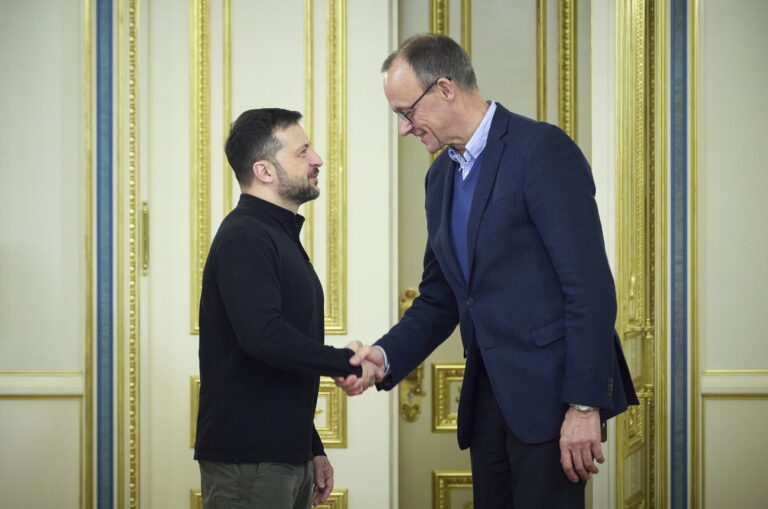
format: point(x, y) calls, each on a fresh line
point(433, 56)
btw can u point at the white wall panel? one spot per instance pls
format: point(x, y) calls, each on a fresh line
point(40, 458)
point(733, 182)
point(41, 186)
point(735, 443)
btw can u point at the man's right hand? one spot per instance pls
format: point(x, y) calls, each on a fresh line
point(372, 361)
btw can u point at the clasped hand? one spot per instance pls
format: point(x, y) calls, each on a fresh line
point(372, 361)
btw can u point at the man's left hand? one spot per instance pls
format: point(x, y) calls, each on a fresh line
point(580, 444)
point(323, 479)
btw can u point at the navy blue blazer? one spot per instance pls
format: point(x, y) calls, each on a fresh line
point(539, 305)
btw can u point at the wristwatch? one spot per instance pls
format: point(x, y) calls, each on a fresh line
point(583, 408)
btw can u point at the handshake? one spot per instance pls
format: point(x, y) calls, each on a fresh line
point(371, 359)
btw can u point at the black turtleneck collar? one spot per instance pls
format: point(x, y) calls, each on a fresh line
point(250, 203)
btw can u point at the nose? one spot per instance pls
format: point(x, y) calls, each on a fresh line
point(316, 160)
point(403, 126)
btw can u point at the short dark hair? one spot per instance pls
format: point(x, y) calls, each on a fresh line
point(433, 56)
point(252, 138)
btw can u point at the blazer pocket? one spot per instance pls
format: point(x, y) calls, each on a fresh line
point(549, 332)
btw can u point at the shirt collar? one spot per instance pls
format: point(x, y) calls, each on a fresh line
point(477, 142)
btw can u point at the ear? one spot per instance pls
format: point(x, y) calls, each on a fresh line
point(263, 171)
point(447, 89)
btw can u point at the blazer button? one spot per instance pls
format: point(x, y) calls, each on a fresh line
point(470, 302)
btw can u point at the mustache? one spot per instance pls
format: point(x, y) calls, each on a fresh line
point(314, 173)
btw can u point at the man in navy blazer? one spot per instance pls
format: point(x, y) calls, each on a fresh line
point(515, 257)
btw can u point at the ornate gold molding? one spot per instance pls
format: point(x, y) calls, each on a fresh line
point(336, 315)
point(128, 244)
point(636, 248)
point(226, 7)
point(541, 60)
point(443, 377)
point(334, 433)
point(566, 15)
point(200, 153)
point(443, 481)
point(438, 16)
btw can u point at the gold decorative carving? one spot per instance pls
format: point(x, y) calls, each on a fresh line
point(438, 17)
point(227, 172)
point(334, 433)
point(443, 481)
point(541, 60)
point(87, 492)
point(336, 313)
point(411, 392)
point(200, 152)
point(636, 249)
point(194, 405)
point(444, 376)
point(336, 500)
point(566, 12)
point(129, 226)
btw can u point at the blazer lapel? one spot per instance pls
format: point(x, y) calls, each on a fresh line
point(494, 149)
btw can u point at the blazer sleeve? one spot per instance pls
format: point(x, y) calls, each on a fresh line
point(559, 193)
point(427, 323)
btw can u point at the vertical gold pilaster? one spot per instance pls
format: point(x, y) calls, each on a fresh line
point(438, 17)
point(200, 156)
point(335, 319)
point(541, 60)
point(661, 85)
point(87, 458)
point(697, 495)
point(309, 112)
point(226, 6)
point(466, 26)
point(567, 66)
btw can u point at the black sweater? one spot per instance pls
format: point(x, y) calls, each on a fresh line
point(261, 341)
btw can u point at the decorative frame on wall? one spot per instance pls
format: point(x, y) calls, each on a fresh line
point(444, 378)
point(336, 500)
point(331, 400)
point(443, 481)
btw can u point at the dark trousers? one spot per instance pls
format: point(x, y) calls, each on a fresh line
point(256, 485)
point(508, 473)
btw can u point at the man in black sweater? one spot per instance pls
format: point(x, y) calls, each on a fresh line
point(261, 330)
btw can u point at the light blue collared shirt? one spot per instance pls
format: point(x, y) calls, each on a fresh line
point(475, 145)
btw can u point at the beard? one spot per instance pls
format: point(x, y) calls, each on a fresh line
point(297, 191)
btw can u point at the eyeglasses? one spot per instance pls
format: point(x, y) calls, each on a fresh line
point(405, 114)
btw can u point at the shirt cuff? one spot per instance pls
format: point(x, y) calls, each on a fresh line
point(386, 360)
